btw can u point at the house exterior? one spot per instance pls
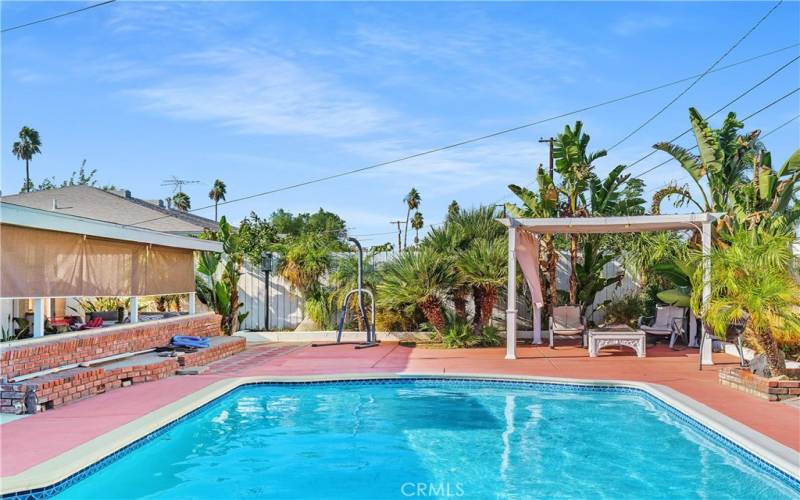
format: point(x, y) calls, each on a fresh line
point(114, 206)
point(49, 257)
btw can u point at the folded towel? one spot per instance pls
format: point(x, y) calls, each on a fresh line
point(189, 341)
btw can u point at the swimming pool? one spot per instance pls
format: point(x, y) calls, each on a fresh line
point(406, 438)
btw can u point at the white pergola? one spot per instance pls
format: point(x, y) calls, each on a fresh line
point(589, 225)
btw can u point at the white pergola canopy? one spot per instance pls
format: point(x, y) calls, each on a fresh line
point(597, 225)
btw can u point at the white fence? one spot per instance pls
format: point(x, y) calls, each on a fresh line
point(286, 307)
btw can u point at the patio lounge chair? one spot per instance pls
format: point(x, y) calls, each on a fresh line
point(566, 321)
point(664, 324)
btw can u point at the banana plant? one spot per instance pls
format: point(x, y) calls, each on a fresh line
point(771, 194)
point(218, 288)
point(541, 204)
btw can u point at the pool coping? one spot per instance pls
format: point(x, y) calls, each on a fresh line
point(61, 467)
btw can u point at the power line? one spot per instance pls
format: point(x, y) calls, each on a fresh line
point(476, 139)
point(776, 101)
point(723, 107)
point(764, 136)
point(64, 14)
point(697, 80)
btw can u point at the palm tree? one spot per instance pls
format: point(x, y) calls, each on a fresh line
point(543, 203)
point(574, 164)
point(24, 149)
point(217, 193)
point(412, 200)
point(421, 277)
point(483, 266)
point(751, 280)
point(417, 223)
point(182, 201)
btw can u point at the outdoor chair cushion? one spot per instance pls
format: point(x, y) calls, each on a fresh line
point(663, 322)
point(567, 319)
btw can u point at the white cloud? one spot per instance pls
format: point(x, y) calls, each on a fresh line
point(255, 91)
point(633, 25)
point(493, 163)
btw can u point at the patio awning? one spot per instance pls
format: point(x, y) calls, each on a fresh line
point(43, 254)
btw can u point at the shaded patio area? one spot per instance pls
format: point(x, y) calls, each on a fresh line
point(35, 439)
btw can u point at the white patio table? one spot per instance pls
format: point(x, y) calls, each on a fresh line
point(621, 335)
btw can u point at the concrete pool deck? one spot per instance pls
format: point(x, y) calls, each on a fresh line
point(29, 442)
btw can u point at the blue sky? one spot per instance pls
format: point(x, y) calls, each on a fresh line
point(263, 95)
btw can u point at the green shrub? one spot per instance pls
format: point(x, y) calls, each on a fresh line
point(457, 333)
point(624, 310)
point(490, 337)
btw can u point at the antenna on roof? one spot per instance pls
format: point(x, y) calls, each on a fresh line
point(177, 184)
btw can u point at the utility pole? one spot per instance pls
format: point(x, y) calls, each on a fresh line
point(398, 222)
point(550, 141)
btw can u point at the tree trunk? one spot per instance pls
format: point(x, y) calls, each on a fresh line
point(767, 343)
point(27, 177)
point(405, 231)
point(215, 211)
point(477, 299)
point(432, 308)
point(487, 305)
point(552, 270)
point(460, 304)
point(573, 273)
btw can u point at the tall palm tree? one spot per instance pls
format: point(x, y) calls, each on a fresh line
point(217, 193)
point(24, 149)
point(182, 201)
point(543, 203)
point(412, 200)
point(751, 280)
point(574, 164)
point(417, 223)
point(420, 277)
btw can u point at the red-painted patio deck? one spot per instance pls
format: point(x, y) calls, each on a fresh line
point(32, 440)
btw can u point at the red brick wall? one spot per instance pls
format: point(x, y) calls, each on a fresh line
point(56, 389)
point(52, 352)
point(771, 389)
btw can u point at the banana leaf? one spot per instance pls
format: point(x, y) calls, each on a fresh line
point(674, 297)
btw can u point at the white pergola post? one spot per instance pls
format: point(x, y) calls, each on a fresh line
point(38, 317)
point(705, 355)
point(134, 313)
point(537, 325)
point(511, 307)
point(192, 302)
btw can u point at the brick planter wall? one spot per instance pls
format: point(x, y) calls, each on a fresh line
point(33, 355)
point(55, 389)
point(770, 389)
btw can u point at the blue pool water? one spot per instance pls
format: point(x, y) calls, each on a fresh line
point(423, 439)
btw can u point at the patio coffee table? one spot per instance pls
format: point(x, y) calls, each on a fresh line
point(621, 335)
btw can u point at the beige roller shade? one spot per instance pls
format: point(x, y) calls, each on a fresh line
point(39, 263)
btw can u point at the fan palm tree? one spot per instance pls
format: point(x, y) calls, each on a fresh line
point(751, 280)
point(412, 200)
point(483, 266)
point(28, 145)
point(217, 193)
point(421, 277)
point(417, 223)
point(574, 164)
point(182, 201)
